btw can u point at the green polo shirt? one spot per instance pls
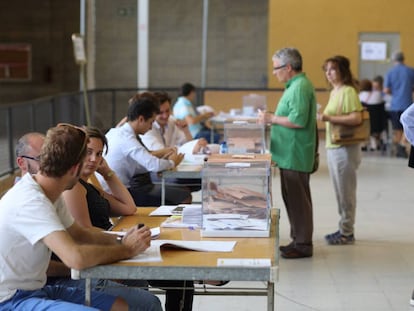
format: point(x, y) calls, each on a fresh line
point(294, 149)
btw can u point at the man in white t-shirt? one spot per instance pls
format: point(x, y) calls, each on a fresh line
point(34, 222)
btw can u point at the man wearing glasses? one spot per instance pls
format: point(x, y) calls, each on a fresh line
point(293, 148)
point(34, 222)
point(27, 152)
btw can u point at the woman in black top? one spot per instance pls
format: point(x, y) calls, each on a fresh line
point(91, 206)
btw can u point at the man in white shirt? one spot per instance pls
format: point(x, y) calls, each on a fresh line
point(168, 132)
point(34, 222)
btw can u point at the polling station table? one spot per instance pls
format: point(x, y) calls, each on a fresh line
point(192, 265)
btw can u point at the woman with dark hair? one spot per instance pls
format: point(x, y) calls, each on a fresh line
point(92, 207)
point(344, 107)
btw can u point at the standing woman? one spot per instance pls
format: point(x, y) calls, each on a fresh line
point(344, 107)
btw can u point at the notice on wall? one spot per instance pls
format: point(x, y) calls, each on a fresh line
point(373, 51)
point(79, 48)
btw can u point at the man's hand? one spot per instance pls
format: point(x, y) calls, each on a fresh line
point(177, 158)
point(181, 124)
point(137, 240)
point(264, 117)
point(200, 145)
point(207, 115)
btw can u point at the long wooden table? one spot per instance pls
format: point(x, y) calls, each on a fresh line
point(192, 265)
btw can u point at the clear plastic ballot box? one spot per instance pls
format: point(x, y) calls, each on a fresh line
point(245, 137)
point(236, 197)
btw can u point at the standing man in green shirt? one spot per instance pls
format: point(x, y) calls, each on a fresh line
point(293, 148)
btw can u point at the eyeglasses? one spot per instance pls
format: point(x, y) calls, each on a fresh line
point(279, 67)
point(80, 129)
point(37, 159)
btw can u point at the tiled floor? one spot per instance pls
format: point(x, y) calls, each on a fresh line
point(377, 273)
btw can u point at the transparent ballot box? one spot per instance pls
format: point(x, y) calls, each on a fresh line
point(245, 137)
point(236, 199)
point(252, 103)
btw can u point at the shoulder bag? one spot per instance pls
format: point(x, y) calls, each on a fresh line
point(350, 134)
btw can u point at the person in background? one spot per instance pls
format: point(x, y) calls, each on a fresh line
point(407, 121)
point(167, 131)
point(293, 139)
point(399, 83)
point(373, 100)
point(27, 153)
point(92, 207)
point(132, 162)
point(378, 85)
point(184, 110)
point(343, 160)
point(23, 285)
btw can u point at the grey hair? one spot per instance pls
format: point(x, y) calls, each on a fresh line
point(398, 56)
point(289, 56)
point(23, 144)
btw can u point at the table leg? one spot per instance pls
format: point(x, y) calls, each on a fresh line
point(88, 291)
point(162, 189)
point(270, 296)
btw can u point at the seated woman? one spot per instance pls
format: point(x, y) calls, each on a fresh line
point(92, 207)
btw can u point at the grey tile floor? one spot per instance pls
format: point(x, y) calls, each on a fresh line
point(377, 273)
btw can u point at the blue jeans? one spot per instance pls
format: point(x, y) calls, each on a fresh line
point(55, 297)
point(137, 299)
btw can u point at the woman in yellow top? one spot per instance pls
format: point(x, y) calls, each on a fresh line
point(343, 108)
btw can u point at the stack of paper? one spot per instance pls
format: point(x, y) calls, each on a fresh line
point(192, 214)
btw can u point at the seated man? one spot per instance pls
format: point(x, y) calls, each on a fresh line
point(168, 132)
point(184, 110)
point(133, 162)
point(34, 222)
point(27, 158)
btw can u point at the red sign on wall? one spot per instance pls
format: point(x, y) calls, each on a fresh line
point(15, 62)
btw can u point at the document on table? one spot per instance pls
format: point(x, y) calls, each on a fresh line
point(166, 210)
point(190, 218)
point(155, 232)
point(153, 253)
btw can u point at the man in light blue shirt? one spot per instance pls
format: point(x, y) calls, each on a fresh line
point(184, 110)
point(399, 82)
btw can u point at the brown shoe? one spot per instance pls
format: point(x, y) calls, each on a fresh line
point(285, 248)
point(294, 253)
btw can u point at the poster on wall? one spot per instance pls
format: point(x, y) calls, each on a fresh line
point(79, 48)
point(373, 51)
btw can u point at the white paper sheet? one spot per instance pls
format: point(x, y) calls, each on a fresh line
point(153, 253)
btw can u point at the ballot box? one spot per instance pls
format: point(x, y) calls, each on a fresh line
point(243, 137)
